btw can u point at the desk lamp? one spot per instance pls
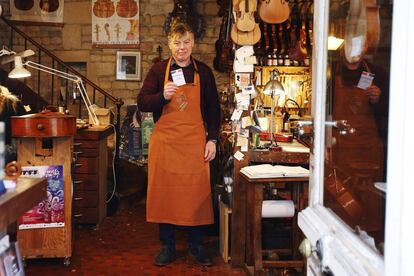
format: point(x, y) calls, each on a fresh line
point(275, 89)
point(20, 72)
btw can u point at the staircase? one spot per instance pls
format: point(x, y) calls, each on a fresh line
point(43, 89)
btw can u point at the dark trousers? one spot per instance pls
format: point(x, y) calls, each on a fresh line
point(167, 235)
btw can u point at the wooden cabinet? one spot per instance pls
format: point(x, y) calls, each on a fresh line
point(90, 175)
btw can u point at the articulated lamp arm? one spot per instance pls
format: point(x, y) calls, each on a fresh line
point(76, 79)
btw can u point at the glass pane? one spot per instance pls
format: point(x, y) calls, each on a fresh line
point(357, 107)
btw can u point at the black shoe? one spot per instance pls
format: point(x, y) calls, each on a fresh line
point(200, 255)
point(166, 256)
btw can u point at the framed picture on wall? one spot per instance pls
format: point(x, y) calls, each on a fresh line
point(128, 65)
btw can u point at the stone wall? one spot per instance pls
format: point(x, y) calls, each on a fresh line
point(74, 39)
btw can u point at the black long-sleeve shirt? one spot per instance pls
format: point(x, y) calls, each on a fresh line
point(151, 98)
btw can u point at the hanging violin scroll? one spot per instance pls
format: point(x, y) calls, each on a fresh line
point(37, 11)
point(115, 24)
point(184, 12)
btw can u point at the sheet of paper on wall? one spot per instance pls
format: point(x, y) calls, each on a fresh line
point(242, 141)
point(243, 101)
point(250, 60)
point(236, 114)
point(263, 123)
point(244, 132)
point(236, 126)
point(239, 64)
point(248, 90)
point(238, 155)
point(246, 121)
point(242, 79)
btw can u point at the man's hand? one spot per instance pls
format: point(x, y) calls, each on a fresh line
point(210, 151)
point(169, 90)
point(373, 92)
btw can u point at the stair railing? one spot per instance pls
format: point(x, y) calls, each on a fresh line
point(55, 62)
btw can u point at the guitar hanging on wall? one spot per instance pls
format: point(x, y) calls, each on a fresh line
point(183, 12)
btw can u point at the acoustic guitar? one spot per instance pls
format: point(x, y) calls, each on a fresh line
point(274, 11)
point(127, 8)
point(103, 8)
point(49, 5)
point(24, 5)
point(246, 22)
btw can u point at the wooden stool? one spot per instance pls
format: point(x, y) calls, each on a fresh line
point(254, 200)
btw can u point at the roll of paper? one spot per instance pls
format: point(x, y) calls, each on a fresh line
point(278, 209)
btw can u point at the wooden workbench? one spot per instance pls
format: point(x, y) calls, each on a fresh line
point(238, 231)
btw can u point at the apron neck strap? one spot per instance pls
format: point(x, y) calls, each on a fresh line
point(167, 71)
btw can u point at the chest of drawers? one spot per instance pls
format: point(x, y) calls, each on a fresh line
point(90, 175)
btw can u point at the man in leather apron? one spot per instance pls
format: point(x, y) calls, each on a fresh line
point(182, 94)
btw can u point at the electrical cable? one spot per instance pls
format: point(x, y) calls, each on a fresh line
point(113, 167)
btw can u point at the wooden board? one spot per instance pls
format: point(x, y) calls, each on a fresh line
point(48, 242)
point(224, 211)
point(28, 193)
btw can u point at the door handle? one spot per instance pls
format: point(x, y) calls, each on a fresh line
point(343, 126)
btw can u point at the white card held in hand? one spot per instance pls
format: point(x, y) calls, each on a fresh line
point(366, 80)
point(178, 77)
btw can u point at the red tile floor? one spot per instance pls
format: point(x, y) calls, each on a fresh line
point(125, 244)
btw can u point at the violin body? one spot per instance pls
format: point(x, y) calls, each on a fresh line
point(127, 8)
point(246, 38)
point(103, 8)
point(246, 21)
point(274, 11)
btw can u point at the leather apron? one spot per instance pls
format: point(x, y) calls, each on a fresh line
point(178, 177)
point(352, 104)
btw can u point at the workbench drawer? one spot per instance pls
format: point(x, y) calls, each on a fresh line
point(85, 199)
point(87, 165)
point(85, 215)
point(85, 144)
point(83, 182)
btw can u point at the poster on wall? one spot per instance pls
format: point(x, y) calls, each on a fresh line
point(50, 212)
point(115, 24)
point(37, 10)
